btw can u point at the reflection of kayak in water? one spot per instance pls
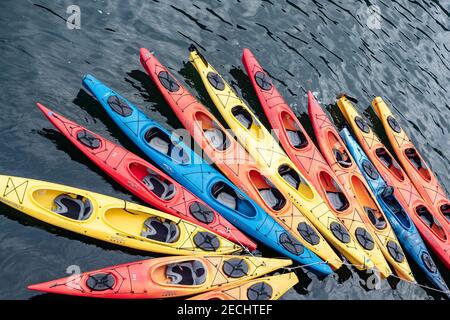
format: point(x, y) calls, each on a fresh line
point(166, 277)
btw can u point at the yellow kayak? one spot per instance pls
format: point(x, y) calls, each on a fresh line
point(267, 288)
point(273, 160)
point(110, 219)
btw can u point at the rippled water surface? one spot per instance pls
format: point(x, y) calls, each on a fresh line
point(324, 46)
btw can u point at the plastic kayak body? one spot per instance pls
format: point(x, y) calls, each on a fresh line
point(310, 162)
point(167, 277)
point(144, 180)
point(267, 288)
point(272, 159)
point(190, 170)
point(422, 214)
point(400, 221)
point(110, 219)
point(234, 161)
point(412, 162)
point(347, 172)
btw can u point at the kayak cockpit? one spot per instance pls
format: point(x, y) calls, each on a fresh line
point(228, 197)
point(271, 196)
point(247, 121)
point(183, 273)
point(389, 162)
point(388, 197)
point(142, 224)
point(339, 151)
point(69, 205)
point(212, 131)
point(367, 203)
point(294, 133)
point(445, 210)
point(333, 191)
point(292, 177)
point(155, 183)
point(161, 142)
point(431, 222)
point(417, 162)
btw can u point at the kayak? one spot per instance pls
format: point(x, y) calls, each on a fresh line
point(310, 162)
point(272, 159)
point(400, 221)
point(190, 170)
point(167, 277)
point(144, 180)
point(423, 215)
point(234, 161)
point(110, 219)
point(349, 175)
point(412, 162)
point(267, 288)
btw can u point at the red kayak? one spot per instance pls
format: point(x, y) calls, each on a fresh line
point(144, 180)
point(308, 159)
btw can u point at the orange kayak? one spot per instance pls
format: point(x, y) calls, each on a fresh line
point(308, 159)
point(234, 161)
point(424, 216)
point(412, 162)
point(341, 162)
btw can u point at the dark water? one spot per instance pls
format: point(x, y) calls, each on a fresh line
point(323, 46)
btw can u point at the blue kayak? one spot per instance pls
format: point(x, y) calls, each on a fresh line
point(406, 232)
point(190, 170)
